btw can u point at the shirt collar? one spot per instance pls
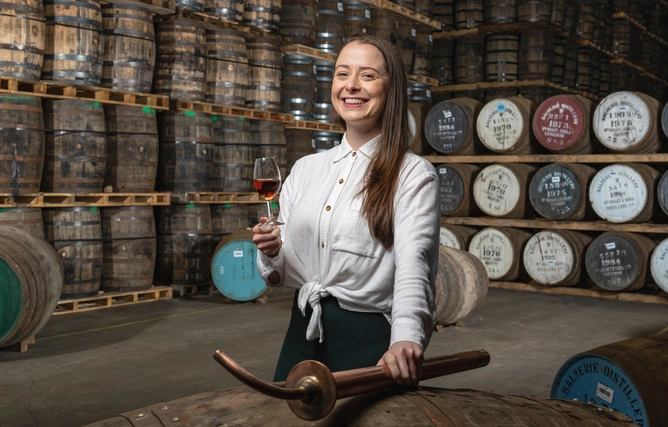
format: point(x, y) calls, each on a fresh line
point(368, 149)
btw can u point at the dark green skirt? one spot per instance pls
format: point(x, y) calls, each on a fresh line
point(352, 339)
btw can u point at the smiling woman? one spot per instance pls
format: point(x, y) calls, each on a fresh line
point(360, 239)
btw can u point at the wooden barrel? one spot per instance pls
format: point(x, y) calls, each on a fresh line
point(659, 265)
point(384, 24)
point(326, 140)
point(128, 48)
point(22, 39)
point(231, 130)
point(559, 66)
point(75, 152)
point(469, 59)
point(622, 40)
point(132, 148)
point(76, 234)
point(500, 11)
point(586, 20)
point(558, 15)
point(624, 192)
point(184, 244)
point(424, 7)
point(186, 151)
point(562, 124)
point(585, 70)
point(619, 261)
point(181, 76)
point(265, 15)
point(233, 168)
point(570, 65)
point(504, 125)
point(227, 72)
point(556, 257)
point(536, 55)
point(595, 73)
point(330, 26)
point(298, 21)
point(534, 10)
point(298, 86)
point(494, 94)
point(456, 236)
point(229, 10)
point(129, 248)
point(559, 191)
point(442, 61)
point(606, 77)
point(423, 45)
point(450, 126)
point(73, 46)
point(323, 93)
point(469, 14)
point(228, 218)
point(662, 193)
point(299, 143)
point(190, 5)
point(234, 269)
point(28, 219)
point(21, 144)
point(180, 36)
point(267, 132)
point(265, 59)
point(500, 190)
point(358, 17)
point(625, 376)
point(456, 188)
point(32, 281)
point(501, 52)
point(461, 285)
point(626, 122)
point(500, 250)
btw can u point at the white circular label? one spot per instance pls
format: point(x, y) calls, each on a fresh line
point(448, 239)
point(621, 120)
point(618, 193)
point(659, 265)
point(495, 251)
point(500, 125)
point(548, 258)
point(496, 190)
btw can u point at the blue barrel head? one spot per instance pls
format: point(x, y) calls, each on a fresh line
point(234, 271)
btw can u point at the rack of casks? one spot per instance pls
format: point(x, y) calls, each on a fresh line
point(589, 190)
point(594, 47)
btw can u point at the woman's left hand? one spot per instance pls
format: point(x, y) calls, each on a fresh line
point(405, 359)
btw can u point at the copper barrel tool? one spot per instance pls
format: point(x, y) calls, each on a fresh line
point(311, 389)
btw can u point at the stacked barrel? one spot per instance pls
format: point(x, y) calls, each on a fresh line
point(562, 194)
point(567, 43)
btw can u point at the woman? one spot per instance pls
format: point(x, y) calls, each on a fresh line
point(360, 240)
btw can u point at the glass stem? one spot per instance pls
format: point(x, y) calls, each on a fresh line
point(269, 216)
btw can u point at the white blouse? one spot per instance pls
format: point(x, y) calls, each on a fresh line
point(328, 248)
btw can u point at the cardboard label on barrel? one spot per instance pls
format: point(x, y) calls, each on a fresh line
point(448, 239)
point(548, 258)
point(618, 193)
point(555, 192)
point(621, 121)
point(658, 264)
point(612, 262)
point(496, 190)
point(500, 125)
point(446, 127)
point(451, 189)
point(558, 122)
point(495, 251)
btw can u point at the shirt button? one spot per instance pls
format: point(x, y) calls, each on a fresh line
point(328, 208)
point(322, 244)
point(341, 181)
point(354, 154)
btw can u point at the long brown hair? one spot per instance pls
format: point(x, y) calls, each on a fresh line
point(383, 174)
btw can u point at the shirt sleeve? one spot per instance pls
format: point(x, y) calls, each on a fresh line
point(265, 264)
point(416, 230)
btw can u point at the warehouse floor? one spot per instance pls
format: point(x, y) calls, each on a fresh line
point(90, 366)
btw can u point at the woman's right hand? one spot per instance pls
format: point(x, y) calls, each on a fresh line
point(267, 238)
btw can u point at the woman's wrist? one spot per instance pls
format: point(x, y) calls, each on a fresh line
point(280, 245)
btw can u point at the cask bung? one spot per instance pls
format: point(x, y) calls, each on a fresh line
point(469, 59)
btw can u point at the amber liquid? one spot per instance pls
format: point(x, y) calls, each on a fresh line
point(266, 187)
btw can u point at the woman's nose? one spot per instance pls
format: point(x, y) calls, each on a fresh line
point(352, 84)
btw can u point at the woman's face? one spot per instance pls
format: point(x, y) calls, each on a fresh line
point(359, 85)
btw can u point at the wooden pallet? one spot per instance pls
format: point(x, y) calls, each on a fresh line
point(19, 347)
point(311, 52)
point(64, 200)
point(644, 295)
point(48, 89)
point(543, 223)
point(553, 158)
point(316, 126)
point(422, 79)
point(113, 299)
point(159, 7)
point(7, 200)
point(623, 15)
point(216, 198)
point(516, 84)
point(225, 110)
point(386, 4)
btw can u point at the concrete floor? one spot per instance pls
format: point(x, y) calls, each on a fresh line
point(90, 366)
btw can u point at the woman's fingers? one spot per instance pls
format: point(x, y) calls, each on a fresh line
point(267, 238)
point(405, 361)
